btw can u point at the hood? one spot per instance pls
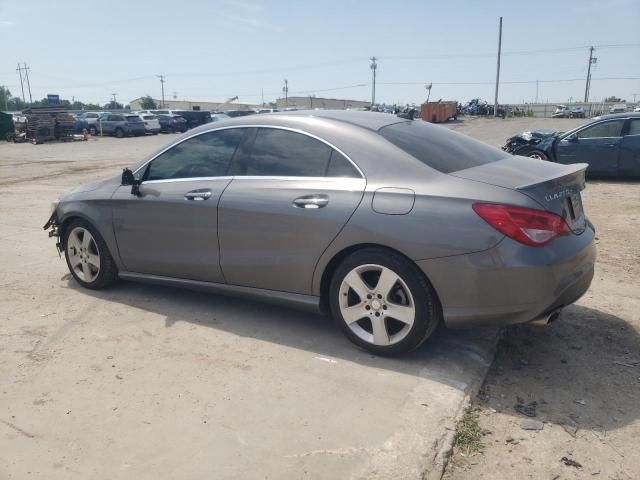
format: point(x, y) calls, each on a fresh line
point(109, 184)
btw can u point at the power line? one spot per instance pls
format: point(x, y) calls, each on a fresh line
point(512, 82)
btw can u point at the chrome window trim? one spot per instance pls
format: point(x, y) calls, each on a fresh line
point(256, 177)
point(289, 129)
point(187, 179)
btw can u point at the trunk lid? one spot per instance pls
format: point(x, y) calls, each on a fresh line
point(554, 186)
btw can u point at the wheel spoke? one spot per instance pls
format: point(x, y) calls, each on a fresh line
point(74, 241)
point(94, 260)
point(380, 334)
point(354, 280)
point(386, 282)
point(401, 313)
point(86, 271)
point(86, 239)
point(354, 313)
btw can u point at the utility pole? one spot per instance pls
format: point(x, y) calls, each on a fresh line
point(115, 103)
point(262, 93)
point(26, 74)
point(161, 77)
point(495, 106)
point(587, 87)
point(285, 91)
point(537, 84)
point(19, 70)
point(634, 96)
point(374, 67)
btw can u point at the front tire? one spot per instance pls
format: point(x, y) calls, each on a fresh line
point(383, 302)
point(88, 257)
point(538, 155)
point(119, 133)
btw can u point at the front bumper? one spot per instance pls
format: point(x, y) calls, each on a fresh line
point(512, 283)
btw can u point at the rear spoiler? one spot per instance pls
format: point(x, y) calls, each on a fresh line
point(573, 170)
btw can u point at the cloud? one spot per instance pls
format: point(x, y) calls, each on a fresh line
point(7, 23)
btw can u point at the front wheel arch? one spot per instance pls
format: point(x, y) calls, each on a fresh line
point(339, 257)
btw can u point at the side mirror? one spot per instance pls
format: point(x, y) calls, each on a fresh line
point(572, 138)
point(129, 179)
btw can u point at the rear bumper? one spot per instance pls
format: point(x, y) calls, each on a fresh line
point(512, 283)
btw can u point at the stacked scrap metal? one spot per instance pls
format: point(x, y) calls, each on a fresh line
point(40, 127)
point(65, 126)
point(49, 123)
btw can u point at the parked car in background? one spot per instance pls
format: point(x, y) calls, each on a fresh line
point(121, 125)
point(239, 113)
point(91, 118)
point(618, 108)
point(80, 124)
point(563, 111)
point(172, 123)
point(151, 123)
point(637, 109)
point(215, 117)
point(609, 144)
point(194, 118)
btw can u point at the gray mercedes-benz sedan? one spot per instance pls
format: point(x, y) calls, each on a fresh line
point(390, 225)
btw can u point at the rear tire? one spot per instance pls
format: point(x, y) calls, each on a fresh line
point(87, 256)
point(93, 131)
point(383, 303)
point(119, 133)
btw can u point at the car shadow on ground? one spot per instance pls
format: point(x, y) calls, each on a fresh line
point(454, 358)
point(582, 371)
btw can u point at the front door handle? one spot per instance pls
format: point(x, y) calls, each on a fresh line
point(311, 201)
point(198, 195)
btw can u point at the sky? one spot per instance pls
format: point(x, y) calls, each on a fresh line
point(213, 50)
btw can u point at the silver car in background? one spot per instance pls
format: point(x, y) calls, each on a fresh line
point(389, 225)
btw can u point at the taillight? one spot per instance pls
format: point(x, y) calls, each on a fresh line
point(525, 225)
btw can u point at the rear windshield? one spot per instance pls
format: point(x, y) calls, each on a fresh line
point(149, 117)
point(440, 148)
point(133, 118)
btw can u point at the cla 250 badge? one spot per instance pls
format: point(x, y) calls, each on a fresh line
point(550, 197)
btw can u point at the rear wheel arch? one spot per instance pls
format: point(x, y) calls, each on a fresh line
point(338, 258)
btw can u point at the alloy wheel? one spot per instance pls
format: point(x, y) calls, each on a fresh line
point(83, 254)
point(376, 304)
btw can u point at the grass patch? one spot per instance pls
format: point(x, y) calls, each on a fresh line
point(469, 434)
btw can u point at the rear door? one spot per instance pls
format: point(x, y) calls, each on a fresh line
point(597, 145)
point(170, 228)
point(290, 196)
point(630, 149)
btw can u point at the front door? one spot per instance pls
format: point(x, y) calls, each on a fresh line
point(290, 196)
point(597, 145)
point(171, 227)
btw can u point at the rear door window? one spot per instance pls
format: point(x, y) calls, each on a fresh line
point(283, 153)
point(634, 127)
point(206, 155)
point(609, 129)
point(339, 166)
point(440, 148)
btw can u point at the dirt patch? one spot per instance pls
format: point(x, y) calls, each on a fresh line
point(578, 378)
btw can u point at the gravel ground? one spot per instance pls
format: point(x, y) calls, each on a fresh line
point(582, 372)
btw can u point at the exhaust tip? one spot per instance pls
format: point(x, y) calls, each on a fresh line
point(547, 319)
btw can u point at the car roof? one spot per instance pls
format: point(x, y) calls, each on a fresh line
point(618, 115)
point(304, 118)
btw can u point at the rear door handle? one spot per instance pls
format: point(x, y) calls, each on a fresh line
point(311, 201)
point(198, 195)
